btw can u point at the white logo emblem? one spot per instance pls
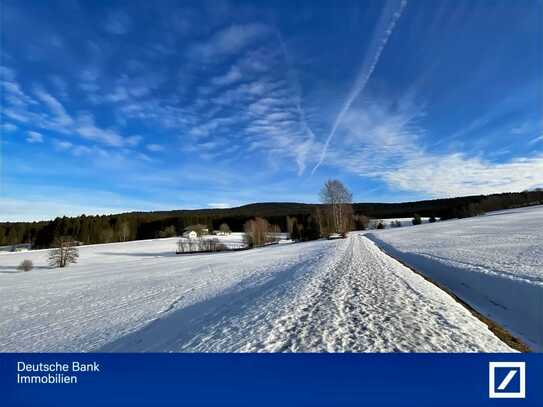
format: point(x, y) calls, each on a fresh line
point(507, 380)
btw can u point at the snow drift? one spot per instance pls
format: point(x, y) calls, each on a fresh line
point(493, 262)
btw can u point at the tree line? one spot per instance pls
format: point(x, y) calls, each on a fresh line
point(335, 214)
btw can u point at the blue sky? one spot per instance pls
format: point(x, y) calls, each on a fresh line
point(127, 105)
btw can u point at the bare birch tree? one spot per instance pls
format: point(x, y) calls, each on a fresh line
point(338, 202)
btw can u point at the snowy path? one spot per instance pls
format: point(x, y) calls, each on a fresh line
point(335, 296)
point(358, 300)
point(367, 301)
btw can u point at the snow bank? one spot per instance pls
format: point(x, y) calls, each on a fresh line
point(493, 262)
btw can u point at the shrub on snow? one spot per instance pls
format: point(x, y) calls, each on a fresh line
point(26, 265)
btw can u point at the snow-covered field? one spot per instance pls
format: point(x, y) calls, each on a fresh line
point(493, 262)
point(341, 295)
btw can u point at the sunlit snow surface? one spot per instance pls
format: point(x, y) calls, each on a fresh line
point(494, 262)
point(341, 295)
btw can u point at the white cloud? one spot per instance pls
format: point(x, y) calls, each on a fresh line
point(129, 87)
point(89, 87)
point(60, 84)
point(76, 150)
point(56, 118)
point(61, 117)
point(21, 107)
point(219, 205)
point(119, 94)
point(258, 60)
point(228, 41)
point(386, 143)
point(117, 23)
point(537, 139)
point(154, 147)
point(86, 128)
point(377, 137)
point(521, 129)
point(143, 157)
point(82, 150)
point(139, 90)
point(62, 144)
point(133, 141)
point(269, 116)
point(89, 78)
point(455, 174)
point(9, 127)
point(6, 73)
point(89, 74)
point(34, 137)
point(232, 76)
point(14, 94)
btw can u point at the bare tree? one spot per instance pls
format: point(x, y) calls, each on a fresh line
point(274, 233)
point(200, 244)
point(192, 245)
point(361, 221)
point(224, 229)
point(338, 200)
point(182, 246)
point(64, 253)
point(249, 233)
point(290, 224)
point(213, 245)
point(124, 231)
point(346, 218)
point(256, 232)
point(320, 218)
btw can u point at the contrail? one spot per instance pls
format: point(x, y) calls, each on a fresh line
point(385, 25)
point(301, 150)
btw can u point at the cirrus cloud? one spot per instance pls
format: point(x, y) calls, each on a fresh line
point(34, 137)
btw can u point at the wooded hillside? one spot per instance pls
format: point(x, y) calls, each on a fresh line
point(149, 225)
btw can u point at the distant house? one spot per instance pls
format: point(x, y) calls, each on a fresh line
point(190, 234)
point(199, 229)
